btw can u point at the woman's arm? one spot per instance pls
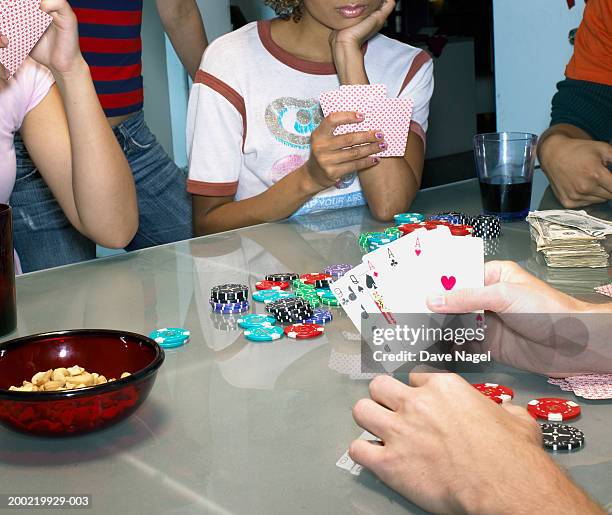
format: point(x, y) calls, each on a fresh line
point(182, 22)
point(72, 144)
point(391, 187)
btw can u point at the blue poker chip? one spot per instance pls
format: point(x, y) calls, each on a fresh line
point(320, 316)
point(253, 321)
point(264, 334)
point(170, 337)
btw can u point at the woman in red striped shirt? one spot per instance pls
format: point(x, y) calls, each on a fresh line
point(110, 40)
point(73, 148)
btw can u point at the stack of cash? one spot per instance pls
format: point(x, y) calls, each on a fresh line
point(570, 239)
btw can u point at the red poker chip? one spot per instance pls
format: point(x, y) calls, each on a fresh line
point(438, 222)
point(497, 392)
point(409, 228)
point(304, 331)
point(459, 232)
point(553, 409)
point(314, 277)
point(272, 285)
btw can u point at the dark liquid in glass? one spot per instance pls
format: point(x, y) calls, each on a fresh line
point(8, 309)
point(506, 199)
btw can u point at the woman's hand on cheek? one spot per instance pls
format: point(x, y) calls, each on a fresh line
point(59, 48)
point(358, 34)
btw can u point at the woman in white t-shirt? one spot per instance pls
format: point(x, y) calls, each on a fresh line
point(51, 100)
point(259, 147)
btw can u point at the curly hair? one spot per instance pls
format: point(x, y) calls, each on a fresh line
point(286, 8)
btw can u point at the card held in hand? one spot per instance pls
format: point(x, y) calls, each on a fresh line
point(23, 24)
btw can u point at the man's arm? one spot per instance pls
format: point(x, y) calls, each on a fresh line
point(182, 22)
point(576, 166)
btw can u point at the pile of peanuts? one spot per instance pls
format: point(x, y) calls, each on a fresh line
point(63, 379)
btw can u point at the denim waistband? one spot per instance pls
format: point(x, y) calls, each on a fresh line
point(131, 125)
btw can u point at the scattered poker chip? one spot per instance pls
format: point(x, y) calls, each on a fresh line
point(284, 277)
point(304, 331)
point(326, 294)
point(486, 226)
point(497, 392)
point(267, 296)
point(408, 218)
point(285, 304)
point(322, 283)
point(338, 271)
point(312, 277)
point(253, 320)
point(170, 337)
point(272, 285)
point(553, 409)
point(560, 437)
point(264, 334)
point(330, 302)
point(320, 316)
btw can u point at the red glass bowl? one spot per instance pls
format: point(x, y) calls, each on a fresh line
point(72, 412)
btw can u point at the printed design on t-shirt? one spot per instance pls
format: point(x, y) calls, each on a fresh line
point(292, 120)
point(323, 202)
point(346, 181)
point(285, 166)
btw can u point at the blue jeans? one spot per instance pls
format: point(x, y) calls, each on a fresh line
point(44, 237)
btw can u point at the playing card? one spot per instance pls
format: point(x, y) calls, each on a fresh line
point(419, 265)
point(345, 462)
point(392, 117)
point(605, 290)
point(353, 98)
point(353, 293)
point(23, 23)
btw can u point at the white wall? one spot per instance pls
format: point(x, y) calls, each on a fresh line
point(531, 52)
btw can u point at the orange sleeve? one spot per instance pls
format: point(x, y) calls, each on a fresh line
point(592, 59)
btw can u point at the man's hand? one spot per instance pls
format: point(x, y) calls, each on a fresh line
point(508, 289)
point(450, 449)
point(577, 168)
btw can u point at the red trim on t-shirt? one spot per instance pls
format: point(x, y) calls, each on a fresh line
point(264, 29)
point(417, 63)
point(212, 189)
point(227, 92)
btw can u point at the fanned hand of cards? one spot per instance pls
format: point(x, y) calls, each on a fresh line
point(23, 24)
point(391, 116)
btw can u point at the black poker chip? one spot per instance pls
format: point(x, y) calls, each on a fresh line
point(486, 226)
point(561, 437)
point(323, 283)
point(282, 277)
point(286, 304)
point(226, 293)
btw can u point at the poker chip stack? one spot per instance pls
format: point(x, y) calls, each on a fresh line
point(229, 299)
point(408, 218)
point(290, 311)
point(487, 227)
